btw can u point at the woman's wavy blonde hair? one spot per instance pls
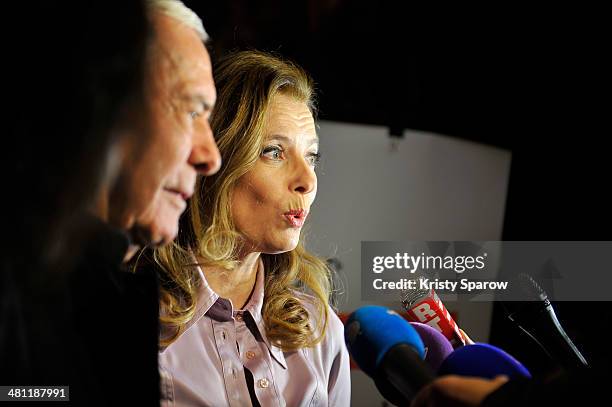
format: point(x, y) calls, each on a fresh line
point(246, 83)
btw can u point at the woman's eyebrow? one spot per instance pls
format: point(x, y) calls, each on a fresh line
point(290, 140)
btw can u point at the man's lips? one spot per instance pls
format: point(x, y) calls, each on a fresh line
point(185, 195)
point(296, 217)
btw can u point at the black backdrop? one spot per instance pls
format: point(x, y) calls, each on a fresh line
point(530, 79)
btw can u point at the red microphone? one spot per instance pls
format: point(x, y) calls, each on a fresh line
point(425, 306)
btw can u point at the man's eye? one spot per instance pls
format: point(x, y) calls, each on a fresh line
point(194, 114)
point(273, 152)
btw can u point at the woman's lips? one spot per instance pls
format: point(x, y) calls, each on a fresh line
point(296, 217)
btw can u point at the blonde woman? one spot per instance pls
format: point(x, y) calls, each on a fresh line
point(244, 307)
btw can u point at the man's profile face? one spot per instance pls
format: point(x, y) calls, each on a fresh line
point(159, 176)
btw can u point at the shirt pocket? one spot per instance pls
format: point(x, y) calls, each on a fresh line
point(316, 396)
point(166, 388)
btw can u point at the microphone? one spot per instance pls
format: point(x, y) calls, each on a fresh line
point(437, 347)
point(482, 360)
point(540, 318)
point(425, 306)
point(389, 350)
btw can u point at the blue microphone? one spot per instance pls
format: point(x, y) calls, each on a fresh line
point(482, 360)
point(389, 350)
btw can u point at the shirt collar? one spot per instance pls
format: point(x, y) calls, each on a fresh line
point(209, 303)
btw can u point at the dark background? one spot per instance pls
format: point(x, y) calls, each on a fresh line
point(529, 79)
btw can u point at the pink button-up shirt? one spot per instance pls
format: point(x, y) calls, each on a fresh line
point(224, 358)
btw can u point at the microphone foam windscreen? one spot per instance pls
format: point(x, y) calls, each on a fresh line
point(437, 347)
point(482, 360)
point(371, 331)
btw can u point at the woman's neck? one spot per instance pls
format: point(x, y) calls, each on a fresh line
point(237, 284)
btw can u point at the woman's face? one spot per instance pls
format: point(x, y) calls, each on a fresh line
point(272, 200)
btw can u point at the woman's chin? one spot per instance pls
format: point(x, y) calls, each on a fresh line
point(280, 247)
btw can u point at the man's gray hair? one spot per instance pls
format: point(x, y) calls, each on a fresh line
point(180, 12)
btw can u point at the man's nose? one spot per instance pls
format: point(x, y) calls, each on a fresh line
point(205, 157)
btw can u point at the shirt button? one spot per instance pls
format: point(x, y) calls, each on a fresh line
point(263, 383)
point(223, 336)
point(250, 354)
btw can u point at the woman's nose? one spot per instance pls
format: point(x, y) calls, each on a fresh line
point(304, 179)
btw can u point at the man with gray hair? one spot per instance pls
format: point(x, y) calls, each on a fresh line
point(157, 177)
point(167, 143)
point(104, 321)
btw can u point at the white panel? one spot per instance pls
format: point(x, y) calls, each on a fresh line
point(431, 187)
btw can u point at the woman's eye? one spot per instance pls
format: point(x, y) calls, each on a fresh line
point(194, 114)
point(273, 152)
point(314, 158)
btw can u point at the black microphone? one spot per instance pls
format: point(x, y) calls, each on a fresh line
point(538, 320)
